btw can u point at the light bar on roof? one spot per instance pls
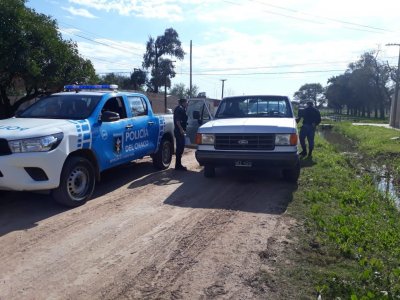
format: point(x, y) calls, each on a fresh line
point(91, 87)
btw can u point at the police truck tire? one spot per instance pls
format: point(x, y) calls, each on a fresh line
point(292, 175)
point(209, 171)
point(162, 158)
point(3, 192)
point(76, 183)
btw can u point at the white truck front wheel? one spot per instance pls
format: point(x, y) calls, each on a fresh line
point(293, 174)
point(209, 171)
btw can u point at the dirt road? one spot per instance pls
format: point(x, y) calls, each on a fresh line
point(147, 235)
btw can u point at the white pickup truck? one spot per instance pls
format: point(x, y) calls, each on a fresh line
point(64, 141)
point(250, 132)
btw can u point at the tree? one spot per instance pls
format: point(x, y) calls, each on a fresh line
point(178, 90)
point(338, 92)
point(311, 92)
point(364, 88)
point(181, 91)
point(34, 59)
point(370, 80)
point(138, 79)
point(194, 93)
point(123, 82)
point(162, 68)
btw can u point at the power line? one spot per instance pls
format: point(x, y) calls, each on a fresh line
point(262, 73)
point(272, 67)
point(279, 14)
point(376, 29)
point(113, 63)
point(94, 34)
point(200, 71)
point(101, 43)
point(322, 17)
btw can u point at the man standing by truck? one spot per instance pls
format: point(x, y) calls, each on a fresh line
point(311, 118)
point(180, 123)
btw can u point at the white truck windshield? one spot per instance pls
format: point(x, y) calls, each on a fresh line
point(255, 106)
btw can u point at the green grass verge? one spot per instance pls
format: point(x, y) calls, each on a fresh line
point(349, 244)
point(379, 143)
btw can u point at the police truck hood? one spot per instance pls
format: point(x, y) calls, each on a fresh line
point(246, 125)
point(16, 128)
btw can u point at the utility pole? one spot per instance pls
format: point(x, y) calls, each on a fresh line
point(165, 88)
point(190, 86)
point(394, 108)
point(223, 81)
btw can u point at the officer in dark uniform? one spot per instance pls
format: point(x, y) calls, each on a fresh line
point(180, 122)
point(311, 118)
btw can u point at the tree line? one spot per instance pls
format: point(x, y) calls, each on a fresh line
point(365, 89)
point(35, 60)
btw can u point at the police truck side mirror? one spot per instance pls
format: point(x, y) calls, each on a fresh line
point(109, 116)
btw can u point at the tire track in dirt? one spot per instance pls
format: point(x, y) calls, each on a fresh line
point(147, 235)
point(153, 281)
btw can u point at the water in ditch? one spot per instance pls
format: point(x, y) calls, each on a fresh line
point(383, 175)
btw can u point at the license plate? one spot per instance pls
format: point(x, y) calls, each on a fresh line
point(243, 163)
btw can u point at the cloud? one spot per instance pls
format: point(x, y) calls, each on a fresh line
point(70, 31)
point(79, 12)
point(263, 63)
point(152, 9)
point(256, 36)
point(113, 56)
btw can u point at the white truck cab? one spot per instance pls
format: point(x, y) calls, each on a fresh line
point(250, 132)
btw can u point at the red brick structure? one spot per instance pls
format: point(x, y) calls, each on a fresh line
point(158, 102)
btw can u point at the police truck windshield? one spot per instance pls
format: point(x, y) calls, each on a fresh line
point(72, 107)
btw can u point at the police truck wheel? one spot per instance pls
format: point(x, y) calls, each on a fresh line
point(209, 171)
point(3, 192)
point(162, 158)
point(76, 183)
point(292, 175)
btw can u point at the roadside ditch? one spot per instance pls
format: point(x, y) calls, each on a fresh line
point(382, 174)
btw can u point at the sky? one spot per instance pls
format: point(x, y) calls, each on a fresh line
point(255, 46)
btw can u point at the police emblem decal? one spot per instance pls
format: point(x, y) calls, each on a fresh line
point(117, 144)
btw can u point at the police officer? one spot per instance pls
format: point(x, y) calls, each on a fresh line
point(180, 122)
point(311, 118)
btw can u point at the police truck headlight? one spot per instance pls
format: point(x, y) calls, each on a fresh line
point(39, 144)
point(205, 139)
point(286, 139)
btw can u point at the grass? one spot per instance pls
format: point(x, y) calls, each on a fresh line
point(329, 112)
point(348, 246)
point(379, 143)
point(372, 140)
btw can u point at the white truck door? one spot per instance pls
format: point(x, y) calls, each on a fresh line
point(199, 107)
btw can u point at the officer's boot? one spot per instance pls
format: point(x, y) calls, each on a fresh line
point(178, 164)
point(303, 153)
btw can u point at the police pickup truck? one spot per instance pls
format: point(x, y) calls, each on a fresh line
point(64, 141)
point(250, 132)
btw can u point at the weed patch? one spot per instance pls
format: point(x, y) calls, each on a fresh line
point(349, 245)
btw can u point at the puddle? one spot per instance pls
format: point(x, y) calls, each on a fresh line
point(383, 176)
point(386, 182)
